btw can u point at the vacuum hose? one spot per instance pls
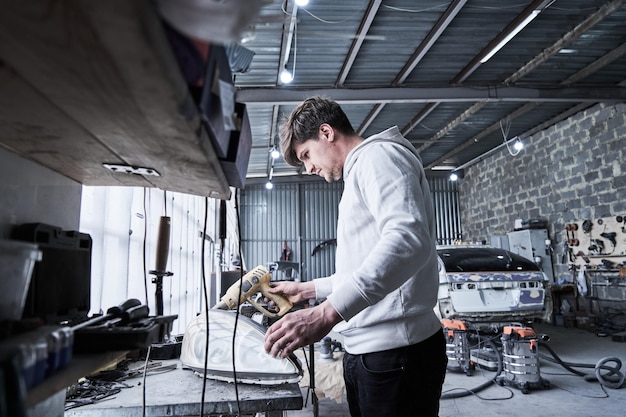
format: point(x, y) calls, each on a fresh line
point(613, 378)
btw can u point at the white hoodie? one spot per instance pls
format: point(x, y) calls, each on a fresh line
point(385, 281)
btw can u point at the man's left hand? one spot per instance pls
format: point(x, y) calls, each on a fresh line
point(300, 328)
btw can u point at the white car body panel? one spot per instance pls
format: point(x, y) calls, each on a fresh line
point(491, 297)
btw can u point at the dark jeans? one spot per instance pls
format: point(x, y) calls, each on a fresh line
point(402, 382)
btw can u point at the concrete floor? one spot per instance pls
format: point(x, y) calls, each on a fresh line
point(568, 395)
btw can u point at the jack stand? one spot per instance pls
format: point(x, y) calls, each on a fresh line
point(520, 360)
point(457, 347)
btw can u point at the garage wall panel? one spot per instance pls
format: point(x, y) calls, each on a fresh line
point(305, 217)
point(572, 171)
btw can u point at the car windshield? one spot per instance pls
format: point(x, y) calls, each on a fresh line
point(473, 259)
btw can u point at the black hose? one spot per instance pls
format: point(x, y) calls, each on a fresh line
point(558, 360)
point(471, 391)
point(612, 379)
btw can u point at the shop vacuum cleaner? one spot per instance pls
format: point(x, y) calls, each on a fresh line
point(520, 360)
point(457, 346)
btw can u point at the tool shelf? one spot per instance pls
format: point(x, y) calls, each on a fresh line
point(86, 85)
point(81, 365)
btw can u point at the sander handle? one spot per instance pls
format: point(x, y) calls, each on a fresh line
point(255, 281)
point(283, 304)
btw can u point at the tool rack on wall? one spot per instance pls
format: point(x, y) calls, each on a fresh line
point(598, 248)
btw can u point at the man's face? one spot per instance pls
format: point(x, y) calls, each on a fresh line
point(320, 157)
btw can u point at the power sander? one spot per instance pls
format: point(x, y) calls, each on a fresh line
point(255, 281)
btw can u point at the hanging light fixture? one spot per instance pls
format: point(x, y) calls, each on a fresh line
point(274, 153)
point(286, 76)
point(269, 185)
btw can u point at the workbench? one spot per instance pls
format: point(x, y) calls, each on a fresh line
point(178, 393)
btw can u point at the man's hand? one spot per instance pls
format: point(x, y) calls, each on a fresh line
point(300, 328)
point(295, 292)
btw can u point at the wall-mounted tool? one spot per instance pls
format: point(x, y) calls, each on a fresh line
point(571, 229)
point(585, 257)
point(611, 237)
point(255, 281)
point(596, 247)
point(621, 219)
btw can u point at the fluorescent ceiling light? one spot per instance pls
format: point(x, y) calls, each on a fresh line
point(443, 167)
point(302, 3)
point(511, 35)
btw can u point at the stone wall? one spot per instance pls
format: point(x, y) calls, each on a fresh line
point(572, 171)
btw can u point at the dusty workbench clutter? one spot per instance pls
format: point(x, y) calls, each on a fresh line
point(171, 390)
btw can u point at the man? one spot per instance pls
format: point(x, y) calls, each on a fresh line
point(384, 288)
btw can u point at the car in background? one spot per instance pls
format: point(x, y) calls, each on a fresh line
point(489, 287)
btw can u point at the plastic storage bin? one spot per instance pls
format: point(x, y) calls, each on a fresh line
point(17, 260)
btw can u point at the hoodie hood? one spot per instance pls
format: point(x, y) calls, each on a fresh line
point(391, 135)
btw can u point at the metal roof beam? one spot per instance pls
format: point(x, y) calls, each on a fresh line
point(364, 27)
point(376, 95)
point(578, 76)
point(431, 38)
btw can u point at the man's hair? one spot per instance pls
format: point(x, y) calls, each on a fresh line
point(304, 122)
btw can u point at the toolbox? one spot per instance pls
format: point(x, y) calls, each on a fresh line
point(101, 339)
point(60, 292)
point(136, 335)
point(60, 287)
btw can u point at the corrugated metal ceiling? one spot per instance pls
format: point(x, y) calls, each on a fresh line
point(417, 65)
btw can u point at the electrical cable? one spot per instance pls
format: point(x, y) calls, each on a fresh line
point(237, 311)
point(505, 133)
point(143, 388)
point(206, 304)
point(472, 391)
point(145, 235)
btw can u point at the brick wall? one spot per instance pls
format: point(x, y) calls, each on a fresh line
point(572, 171)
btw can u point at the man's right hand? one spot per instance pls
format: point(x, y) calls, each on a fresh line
point(296, 292)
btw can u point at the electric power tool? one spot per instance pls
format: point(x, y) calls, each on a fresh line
point(255, 281)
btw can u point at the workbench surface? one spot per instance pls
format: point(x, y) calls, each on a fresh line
point(178, 393)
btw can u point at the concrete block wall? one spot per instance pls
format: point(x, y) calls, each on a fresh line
point(574, 170)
